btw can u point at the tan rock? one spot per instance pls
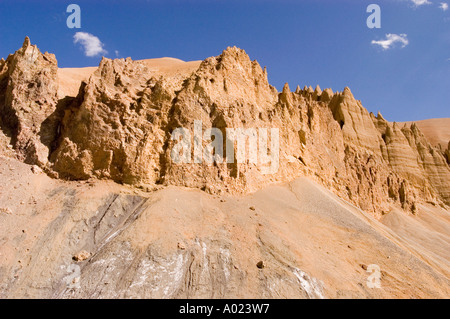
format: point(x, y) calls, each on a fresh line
point(27, 101)
point(119, 127)
point(82, 255)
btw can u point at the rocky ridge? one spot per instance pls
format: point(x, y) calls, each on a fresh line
point(119, 127)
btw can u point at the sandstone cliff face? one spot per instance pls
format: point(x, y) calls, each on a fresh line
point(120, 127)
point(114, 128)
point(28, 96)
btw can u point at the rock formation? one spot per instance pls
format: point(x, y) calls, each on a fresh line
point(119, 127)
point(28, 96)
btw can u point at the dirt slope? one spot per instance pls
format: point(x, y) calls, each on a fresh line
point(180, 243)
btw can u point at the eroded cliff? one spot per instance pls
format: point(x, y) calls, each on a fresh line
point(120, 126)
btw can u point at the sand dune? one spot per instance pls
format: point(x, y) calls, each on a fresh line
point(437, 131)
point(69, 79)
point(171, 66)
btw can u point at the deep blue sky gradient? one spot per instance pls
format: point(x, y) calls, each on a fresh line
point(301, 42)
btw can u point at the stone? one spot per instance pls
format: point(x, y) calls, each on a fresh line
point(5, 210)
point(28, 97)
point(81, 256)
point(36, 169)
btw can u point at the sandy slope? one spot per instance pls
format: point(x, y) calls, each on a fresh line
point(71, 78)
point(427, 234)
point(181, 243)
point(437, 131)
point(171, 66)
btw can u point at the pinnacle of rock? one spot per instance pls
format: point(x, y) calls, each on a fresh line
point(327, 95)
point(380, 116)
point(26, 42)
point(317, 92)
point(348, 93)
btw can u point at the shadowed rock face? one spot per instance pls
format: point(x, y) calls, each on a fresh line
point(119, 127)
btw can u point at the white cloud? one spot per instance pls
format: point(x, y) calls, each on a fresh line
point(391, 40)
point(444, 6)
point(91, 44)
point(419, 3)
point(117, 53)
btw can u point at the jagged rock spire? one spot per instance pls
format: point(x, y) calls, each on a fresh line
point(380, 116)
point(286, 88)
point(317, 93)
point(318, 90)
point(327, 95)
point(26, 42)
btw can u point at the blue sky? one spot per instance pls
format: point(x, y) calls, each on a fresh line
point(301, 42)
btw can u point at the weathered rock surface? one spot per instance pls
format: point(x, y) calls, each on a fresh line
point(119, 127)
point(113, 130)
point(28, 96)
